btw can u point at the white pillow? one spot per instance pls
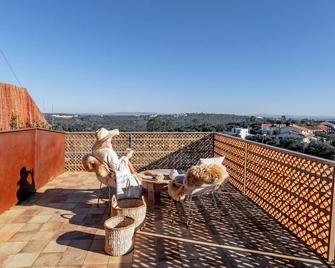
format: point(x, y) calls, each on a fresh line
point(210, 161)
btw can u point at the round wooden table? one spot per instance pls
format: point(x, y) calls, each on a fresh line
point(154, 186)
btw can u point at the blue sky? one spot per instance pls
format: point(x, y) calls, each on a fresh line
point(242, 57)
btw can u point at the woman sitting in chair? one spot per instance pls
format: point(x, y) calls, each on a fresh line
point(122, 171)
point(103, 151)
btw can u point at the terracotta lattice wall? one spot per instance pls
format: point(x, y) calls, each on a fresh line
point(152, 149)
point(296, 189)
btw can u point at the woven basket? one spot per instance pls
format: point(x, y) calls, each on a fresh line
point(119, 235)
point(135, 208)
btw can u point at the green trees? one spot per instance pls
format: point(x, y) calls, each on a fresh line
point(15, 122)
point(158, 124)
point(332, 143)
point(292, 143)
point(321, 149)
point(262, 139)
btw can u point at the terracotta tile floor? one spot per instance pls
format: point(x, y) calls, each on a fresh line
point(62, 226)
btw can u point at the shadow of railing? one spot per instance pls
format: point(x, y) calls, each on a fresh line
point(294, 188)
point(244, 237)
point(182, 158)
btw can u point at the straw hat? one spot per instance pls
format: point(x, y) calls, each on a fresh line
point(103, 134)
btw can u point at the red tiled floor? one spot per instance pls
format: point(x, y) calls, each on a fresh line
point(62, 226)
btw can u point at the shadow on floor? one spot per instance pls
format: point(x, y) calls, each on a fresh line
point(243, 226)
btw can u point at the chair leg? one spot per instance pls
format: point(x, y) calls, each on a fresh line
point(110, 201)
point(216, 204)
point(189, 212)
point(99, 195)
point(170, 209)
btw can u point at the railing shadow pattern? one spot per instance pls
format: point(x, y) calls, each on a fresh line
point(242, 226)
point(248, 234)
point(151, 149)
point(296, 190)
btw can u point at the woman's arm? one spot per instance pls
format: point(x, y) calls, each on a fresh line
point(132, 168)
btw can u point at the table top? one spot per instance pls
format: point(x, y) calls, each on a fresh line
point(150, 176)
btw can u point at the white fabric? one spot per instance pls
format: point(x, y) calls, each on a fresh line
point(108, 157)
point(210, 161)
point(127, 185)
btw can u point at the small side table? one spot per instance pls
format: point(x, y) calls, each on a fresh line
point(153, 186)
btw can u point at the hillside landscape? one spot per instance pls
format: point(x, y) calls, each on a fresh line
point(176, 122)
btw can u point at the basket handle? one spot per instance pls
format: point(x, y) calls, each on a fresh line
point(114, 202)
point(143, 200)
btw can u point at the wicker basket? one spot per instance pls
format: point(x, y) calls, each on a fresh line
point(135, 208)
point(119, 235)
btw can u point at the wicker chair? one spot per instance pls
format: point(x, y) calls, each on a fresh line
point(104, 175)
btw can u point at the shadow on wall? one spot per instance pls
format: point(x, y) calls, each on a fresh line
point(183, 158)
point(26, 186)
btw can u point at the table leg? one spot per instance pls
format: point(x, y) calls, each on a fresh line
point(151, 194)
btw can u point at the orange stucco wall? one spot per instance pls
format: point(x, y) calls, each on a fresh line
point(27, 156)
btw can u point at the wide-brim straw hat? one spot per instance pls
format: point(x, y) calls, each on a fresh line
point(103, 135)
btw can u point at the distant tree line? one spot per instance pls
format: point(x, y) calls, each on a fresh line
point(160, 123)
point(323, 147)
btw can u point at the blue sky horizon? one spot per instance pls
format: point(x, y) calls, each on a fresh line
point(237, 57)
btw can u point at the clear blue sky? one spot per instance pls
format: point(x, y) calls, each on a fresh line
point(242, 57)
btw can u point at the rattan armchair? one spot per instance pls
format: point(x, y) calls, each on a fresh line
point(103, 174)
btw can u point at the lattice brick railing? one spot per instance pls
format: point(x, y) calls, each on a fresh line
point(152, 149)
point(296, 189)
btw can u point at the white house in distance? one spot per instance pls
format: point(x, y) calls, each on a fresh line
point(271, 129)
point(240, 132)
point(295, 131)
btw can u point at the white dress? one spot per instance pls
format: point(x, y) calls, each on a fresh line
point(127, 185)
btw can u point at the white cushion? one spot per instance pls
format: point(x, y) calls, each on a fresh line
point(210, 161)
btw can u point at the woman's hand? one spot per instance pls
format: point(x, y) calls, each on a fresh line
point(130, 153)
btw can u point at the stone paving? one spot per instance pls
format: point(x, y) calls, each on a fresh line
point(61, 225)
